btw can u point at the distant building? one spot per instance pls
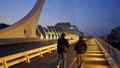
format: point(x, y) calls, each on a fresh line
point(116, 33)
point(53, 32)
point(65, 26)
point(41, 31)
point(69, 29)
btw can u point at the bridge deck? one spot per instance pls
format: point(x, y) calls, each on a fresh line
point(94, 59)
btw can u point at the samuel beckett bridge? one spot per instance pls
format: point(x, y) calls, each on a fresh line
point(21, 47)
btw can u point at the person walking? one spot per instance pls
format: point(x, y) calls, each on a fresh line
point(80, 48)
point(62, 47)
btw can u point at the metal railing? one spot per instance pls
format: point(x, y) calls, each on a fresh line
point(25, 56)
point(111, 54)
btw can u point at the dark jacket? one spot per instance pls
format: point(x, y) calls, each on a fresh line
point(60, 43)
point(80, 47)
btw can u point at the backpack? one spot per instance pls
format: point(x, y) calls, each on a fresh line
point(64, 48)
point(80, 48)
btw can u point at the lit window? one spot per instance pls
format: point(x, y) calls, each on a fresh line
point(71, 27)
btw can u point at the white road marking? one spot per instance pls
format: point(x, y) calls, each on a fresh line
point(72, 62)
point(52, 60)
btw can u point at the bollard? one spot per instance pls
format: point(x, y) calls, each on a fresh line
point(41, 55)
point(49, 50)
point(5, 64)
point(27, 58)
point(55, 48)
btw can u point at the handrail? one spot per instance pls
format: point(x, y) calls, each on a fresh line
point(111, 54)
point(14, 59)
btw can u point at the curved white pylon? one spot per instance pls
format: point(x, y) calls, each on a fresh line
point(26, 27)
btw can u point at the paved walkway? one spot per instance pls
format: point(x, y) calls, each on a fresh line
point(94, 59)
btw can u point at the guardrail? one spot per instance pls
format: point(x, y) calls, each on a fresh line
point(17, 40)
point(111, 54)
point(25, 56)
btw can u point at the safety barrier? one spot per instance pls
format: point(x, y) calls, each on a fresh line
point(25, 56)
point(111, 54)
point(17, 40)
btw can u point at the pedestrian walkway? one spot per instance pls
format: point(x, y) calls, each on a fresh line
point(94, 59)
point(94, 56)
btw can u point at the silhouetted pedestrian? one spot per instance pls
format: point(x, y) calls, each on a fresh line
point(80, 48)
point(62, 47)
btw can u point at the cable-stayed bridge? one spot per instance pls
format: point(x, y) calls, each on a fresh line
point(26, 50)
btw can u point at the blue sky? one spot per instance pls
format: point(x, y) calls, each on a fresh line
point(96, 16)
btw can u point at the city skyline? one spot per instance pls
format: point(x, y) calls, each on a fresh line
point(90, 16)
